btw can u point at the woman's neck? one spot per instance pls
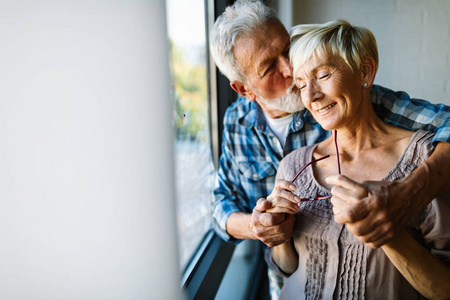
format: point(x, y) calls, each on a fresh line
point(365, 131)
point(368, 149)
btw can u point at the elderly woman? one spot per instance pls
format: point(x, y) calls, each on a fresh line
point(334, 66)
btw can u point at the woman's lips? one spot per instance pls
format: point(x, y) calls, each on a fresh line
point(325, 109)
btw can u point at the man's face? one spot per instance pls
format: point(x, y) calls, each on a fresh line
point(264, 59)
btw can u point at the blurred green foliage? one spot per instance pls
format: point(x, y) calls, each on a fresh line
point(189, 95)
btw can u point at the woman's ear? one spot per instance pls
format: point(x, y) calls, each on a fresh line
point(368, 71)
point(243, 90)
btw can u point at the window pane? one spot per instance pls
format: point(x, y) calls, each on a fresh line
point(194, 166)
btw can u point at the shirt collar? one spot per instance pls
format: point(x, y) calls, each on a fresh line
point(255, 118)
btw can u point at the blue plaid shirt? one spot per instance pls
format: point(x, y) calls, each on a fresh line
point(251, 152)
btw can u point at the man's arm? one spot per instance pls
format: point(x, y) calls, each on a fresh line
point(270, 228)
point(233, 218)
point(427, 274)
point(377, 216)
point(381, 211)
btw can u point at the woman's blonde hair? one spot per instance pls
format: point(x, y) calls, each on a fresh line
point(337, 38)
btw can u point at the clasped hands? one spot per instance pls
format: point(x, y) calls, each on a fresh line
point(373, 211)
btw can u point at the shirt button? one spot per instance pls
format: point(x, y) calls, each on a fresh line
point(255, 175)
point(275, 140)
point(297, 124)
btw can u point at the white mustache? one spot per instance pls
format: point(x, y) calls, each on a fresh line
point(290, 89)
point(290, 102)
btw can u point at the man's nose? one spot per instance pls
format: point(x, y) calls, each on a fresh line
point(286, 68)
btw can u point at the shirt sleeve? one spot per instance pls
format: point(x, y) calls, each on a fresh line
point(398, 109)
point(436, 228)
point(228, 193)
point(271, 264)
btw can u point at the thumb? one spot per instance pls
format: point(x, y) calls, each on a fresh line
point(263, 204)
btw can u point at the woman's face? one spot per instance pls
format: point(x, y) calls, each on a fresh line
point(330, 91)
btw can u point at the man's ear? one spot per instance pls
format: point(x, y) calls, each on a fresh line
point(243, 90)
point(368, 71)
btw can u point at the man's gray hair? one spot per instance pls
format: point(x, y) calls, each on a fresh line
point(244, 17)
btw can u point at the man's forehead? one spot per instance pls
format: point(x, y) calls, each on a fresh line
point(264, 44)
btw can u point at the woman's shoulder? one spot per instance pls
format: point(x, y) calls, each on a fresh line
point(299, 157)
point(410, 146)
point(420, 147)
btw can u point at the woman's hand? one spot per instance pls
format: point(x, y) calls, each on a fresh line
point(376, 223)
point(346, 194)
point(382, 210)
point(282, 198)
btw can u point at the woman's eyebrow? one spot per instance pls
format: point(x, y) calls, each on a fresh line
point(318, 68)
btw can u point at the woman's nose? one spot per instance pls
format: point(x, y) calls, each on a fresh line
point(311, 92)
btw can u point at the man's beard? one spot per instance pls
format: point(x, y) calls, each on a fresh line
point(290, 102)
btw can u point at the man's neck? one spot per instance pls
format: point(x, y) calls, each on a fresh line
point(272, 113)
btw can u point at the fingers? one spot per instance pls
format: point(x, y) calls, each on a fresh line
point(381, 221)
point(374, 211)
point(281, 209)
point(270, 219)
point(271, 228)
point(346, 188)
point(374, 237)
point(283, 187)
point(286, 202)
point(262, 205)
point(347, 199)
point(282, 198)
point(284, 184)
point(351, 213)
point(284, 194)
point(343, 181)
point(260, 217)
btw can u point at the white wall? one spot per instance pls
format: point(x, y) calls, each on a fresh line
point(413, 39)
point(86, 200)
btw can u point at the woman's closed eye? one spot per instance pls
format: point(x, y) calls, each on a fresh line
point(324, 76)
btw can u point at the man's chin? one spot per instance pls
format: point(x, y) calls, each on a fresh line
point(289, 103)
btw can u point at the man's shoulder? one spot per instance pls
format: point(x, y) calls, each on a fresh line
point(292, 162)
point(381, 93)
point(239, 107)
point(237, 110)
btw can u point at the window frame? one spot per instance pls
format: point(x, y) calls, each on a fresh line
point(204, 272)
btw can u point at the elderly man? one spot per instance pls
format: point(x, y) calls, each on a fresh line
point(250, 46)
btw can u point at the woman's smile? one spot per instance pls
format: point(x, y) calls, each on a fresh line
point(326, 109)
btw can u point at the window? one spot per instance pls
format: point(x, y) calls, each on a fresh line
point(210, 270)
point(194, 168)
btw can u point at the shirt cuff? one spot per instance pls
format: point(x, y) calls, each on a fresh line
point(442, 134)
point(220, 219)
point(272, 265)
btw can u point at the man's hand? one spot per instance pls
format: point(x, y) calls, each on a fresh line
point(377, 211)
point(373, 211)
point(271, 228)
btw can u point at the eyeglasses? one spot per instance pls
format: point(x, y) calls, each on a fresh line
point(319, 197)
